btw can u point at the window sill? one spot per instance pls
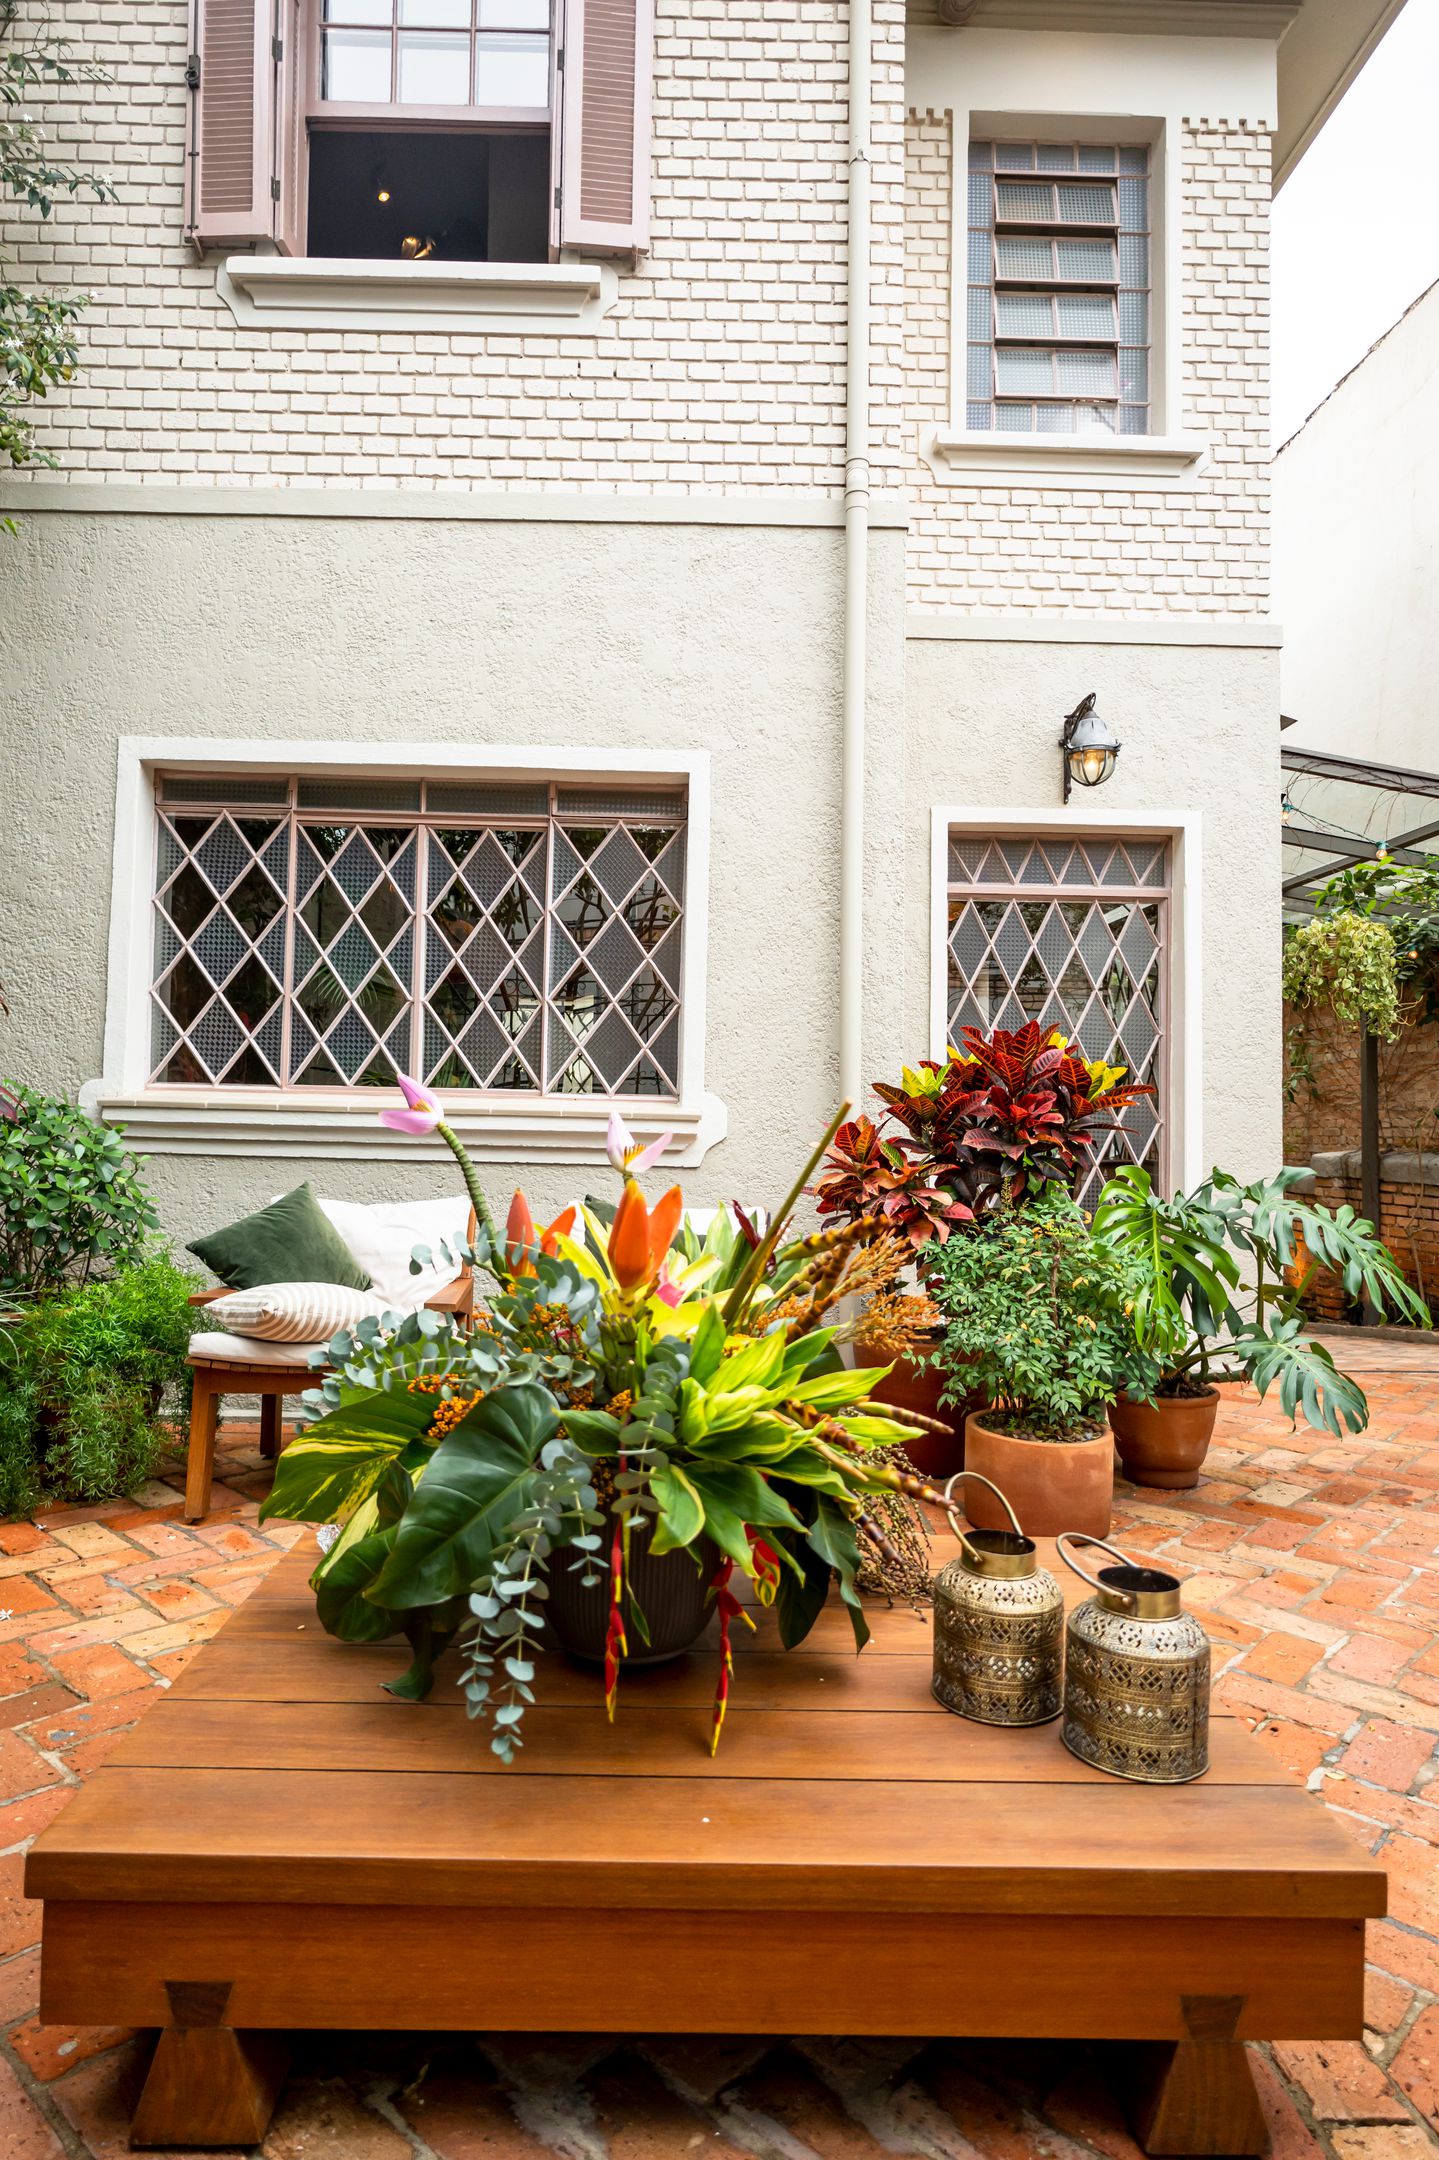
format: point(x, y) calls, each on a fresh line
point(1024, 460)
point(324, 292)
point(325, 1127)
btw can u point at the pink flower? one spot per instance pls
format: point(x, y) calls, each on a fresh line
point(625, 1153)
point(422, 1114)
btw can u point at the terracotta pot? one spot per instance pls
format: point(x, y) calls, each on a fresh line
point(1051, 1485)
point(1164, 1443)
point(670, 1591)
point(917, 1387)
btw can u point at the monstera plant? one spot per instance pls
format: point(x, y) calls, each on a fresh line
point(625, 1396)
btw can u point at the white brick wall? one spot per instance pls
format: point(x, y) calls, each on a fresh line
point(722, 366)
point(1197, 551)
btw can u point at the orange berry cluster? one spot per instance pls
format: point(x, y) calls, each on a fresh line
point(449, 1412)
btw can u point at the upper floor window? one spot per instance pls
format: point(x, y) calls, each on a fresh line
point(332, 932)
point(420, 130)
point(1058, 304)
point(428, 130)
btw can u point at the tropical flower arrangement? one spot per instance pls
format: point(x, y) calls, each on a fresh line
point(624, 1383)
point(1009, 1115)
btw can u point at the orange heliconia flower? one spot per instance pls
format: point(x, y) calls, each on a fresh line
point(522, 1237)
point(639, 1239)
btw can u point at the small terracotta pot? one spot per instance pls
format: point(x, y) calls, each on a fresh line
point(1164, 1443)
point(1051, 1485)
point(935, 1456)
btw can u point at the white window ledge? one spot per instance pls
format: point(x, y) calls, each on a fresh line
point(328, 1127)
point(332, 292)
point(1080, 460)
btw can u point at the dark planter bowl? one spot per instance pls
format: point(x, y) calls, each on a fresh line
point(1164, 1443)
point(935, 1456)
point(670, 1590)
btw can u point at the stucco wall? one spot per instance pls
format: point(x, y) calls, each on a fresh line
point(717, 638)
point(1198, 733)
point(1356, 556)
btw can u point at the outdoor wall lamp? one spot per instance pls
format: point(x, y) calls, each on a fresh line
point(1087, 747)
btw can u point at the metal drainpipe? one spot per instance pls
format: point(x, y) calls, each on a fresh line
point(856, 555)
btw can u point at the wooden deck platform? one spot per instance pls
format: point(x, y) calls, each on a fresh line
point(278, 1844)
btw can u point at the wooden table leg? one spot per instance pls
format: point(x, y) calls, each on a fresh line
point(1196, 2097)
point(272, 1413)
point(208, 2084)
point(200, 1461)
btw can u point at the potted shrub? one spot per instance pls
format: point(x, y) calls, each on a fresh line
point(618, 1408)
point(1009, 1116)
point(1036, 1308)
point(1219, 1277)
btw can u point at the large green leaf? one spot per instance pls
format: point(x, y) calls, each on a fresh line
point(832, 1536)
point(479, 1478)
point(339, 1460)
point(803, 1588)
point(1309, 1380)
point(340, 1593)
point(682, 1515)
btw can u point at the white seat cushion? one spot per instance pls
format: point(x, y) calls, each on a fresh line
point(382, 1238)
point(212, 1347)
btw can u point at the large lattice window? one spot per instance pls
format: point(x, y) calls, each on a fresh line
point(1074, 934)
point(331, 933)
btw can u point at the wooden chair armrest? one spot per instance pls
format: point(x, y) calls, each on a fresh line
point(456, 1297)
point(206, 1297)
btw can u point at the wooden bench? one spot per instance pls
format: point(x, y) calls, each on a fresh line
point(279, 1845)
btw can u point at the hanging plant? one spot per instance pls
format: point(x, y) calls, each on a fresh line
point(1348, 962)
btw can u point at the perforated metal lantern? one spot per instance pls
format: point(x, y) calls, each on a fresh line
point(998, 1624)
point(1136, 1674)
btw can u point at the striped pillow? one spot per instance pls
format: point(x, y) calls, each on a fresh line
point(291, 1312)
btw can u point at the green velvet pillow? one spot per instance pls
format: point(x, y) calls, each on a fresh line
point(291, 1240)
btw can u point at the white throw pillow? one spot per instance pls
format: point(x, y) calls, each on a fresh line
point(297, 1312)
point(382, 1238)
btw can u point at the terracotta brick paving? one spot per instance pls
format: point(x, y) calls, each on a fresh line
point(1315, 1567)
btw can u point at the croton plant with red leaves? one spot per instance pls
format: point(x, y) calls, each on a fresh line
point(1005, 1115)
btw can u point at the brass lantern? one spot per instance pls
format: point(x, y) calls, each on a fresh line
point(998, 1624)
point(1136, 1677)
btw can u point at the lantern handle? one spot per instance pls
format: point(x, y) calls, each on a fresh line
point(1068, 1536)
point(953, 1518)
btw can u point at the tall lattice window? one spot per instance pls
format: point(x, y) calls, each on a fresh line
point(1058, 288)
point(1073, 934)
point(333, 933)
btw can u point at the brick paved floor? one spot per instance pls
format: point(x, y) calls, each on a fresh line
point(1315, 1567)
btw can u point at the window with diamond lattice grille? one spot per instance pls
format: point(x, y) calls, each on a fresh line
point(1073, 934)
point(335, 933)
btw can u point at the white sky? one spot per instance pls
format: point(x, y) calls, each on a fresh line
point(1356, 226)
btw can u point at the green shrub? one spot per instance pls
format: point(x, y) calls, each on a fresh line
point(92, 1377)
point(71, 1202)
point(1035, 1317)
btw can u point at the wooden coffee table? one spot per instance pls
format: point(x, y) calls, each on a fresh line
point(278, 1844)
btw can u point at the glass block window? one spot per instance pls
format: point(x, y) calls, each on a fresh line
point(442, 54)
point(331, 933)
point(1073, 933)
point(1058, 300)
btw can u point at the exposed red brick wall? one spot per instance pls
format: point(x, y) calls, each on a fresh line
point(1409, 1226)
point(1321, 1072)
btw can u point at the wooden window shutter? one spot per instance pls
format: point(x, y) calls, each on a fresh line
point(232, 122)
point(605, 124)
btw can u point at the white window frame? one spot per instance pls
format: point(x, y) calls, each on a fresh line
point(1165, 453)
point(336, 1124)
point(1182, 829)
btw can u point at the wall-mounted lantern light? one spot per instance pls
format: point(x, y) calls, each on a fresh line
point(1087, 747)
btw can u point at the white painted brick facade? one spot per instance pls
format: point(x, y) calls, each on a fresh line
point(721, 366)
point(1197, 551)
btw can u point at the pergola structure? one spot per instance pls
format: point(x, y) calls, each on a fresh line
point(1339, 810)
